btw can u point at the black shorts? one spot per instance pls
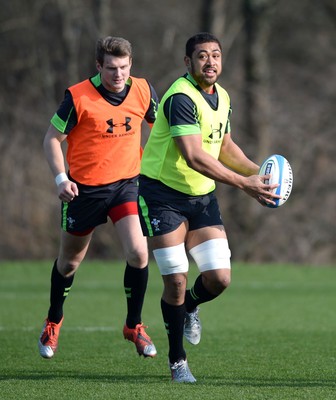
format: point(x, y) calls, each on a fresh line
point(95, 203)
point(163, 209)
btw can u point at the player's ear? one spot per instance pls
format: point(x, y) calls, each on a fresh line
point(187, 61)
point(98, 66)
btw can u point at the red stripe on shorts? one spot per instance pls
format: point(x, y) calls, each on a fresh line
point(123, 210)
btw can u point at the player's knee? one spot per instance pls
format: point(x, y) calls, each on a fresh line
point(221, 283)
point(67, 268)
point(175, 287)
point(217, 281)
point(137, 257)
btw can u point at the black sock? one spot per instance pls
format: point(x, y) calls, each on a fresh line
point(135, 285)
point(59, 290)
point(198, 294)
point(173, 317)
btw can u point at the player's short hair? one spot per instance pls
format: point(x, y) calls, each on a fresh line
point(114, 46)
point(202, 37)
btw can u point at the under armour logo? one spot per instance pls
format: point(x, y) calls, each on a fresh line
point(216, 131)
point(119, 124)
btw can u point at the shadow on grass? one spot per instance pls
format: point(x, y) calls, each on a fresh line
point(268, 382)
point(154, 379)
point(67, 376)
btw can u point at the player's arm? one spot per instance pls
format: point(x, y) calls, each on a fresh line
point(151, 113)
point(52, 145)
point(181, 115)
point(187, 136)
point(233, 157)
point(202, 162)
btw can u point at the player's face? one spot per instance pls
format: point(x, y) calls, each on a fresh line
point(205, 64)
point(114, 72)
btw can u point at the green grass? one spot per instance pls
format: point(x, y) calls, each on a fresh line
point(270, 336)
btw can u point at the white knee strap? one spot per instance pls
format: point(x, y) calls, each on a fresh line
point(172, 260)
point(212, 254)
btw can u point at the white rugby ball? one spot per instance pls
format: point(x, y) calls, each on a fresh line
point(281, 172)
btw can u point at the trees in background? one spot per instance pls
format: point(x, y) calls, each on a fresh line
point(279, 69)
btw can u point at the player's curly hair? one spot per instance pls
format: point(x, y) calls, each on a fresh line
point(114, 46)
point(201, 37)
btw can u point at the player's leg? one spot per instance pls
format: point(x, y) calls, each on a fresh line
point(72, 251)
point(136, 272)
point(161, 213)
point(135, 282)
point(209, 248)
point(171, 258)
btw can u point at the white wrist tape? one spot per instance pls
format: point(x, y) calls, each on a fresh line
point(62, 177)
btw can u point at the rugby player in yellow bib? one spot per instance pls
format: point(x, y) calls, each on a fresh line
point(190, 148)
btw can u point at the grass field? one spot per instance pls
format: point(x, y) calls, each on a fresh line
point(272, 335)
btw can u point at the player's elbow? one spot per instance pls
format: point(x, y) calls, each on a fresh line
point(194, 162)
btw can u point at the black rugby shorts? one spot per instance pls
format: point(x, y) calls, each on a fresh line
point(163, 209)
point(95, 203)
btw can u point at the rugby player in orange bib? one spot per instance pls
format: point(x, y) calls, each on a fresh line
point(100, 119)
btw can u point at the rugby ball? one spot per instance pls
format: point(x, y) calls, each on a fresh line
point(281, 172)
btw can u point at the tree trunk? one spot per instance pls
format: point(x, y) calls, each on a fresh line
point(257, 75)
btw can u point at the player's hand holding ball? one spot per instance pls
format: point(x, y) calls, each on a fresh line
point(279, 171)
